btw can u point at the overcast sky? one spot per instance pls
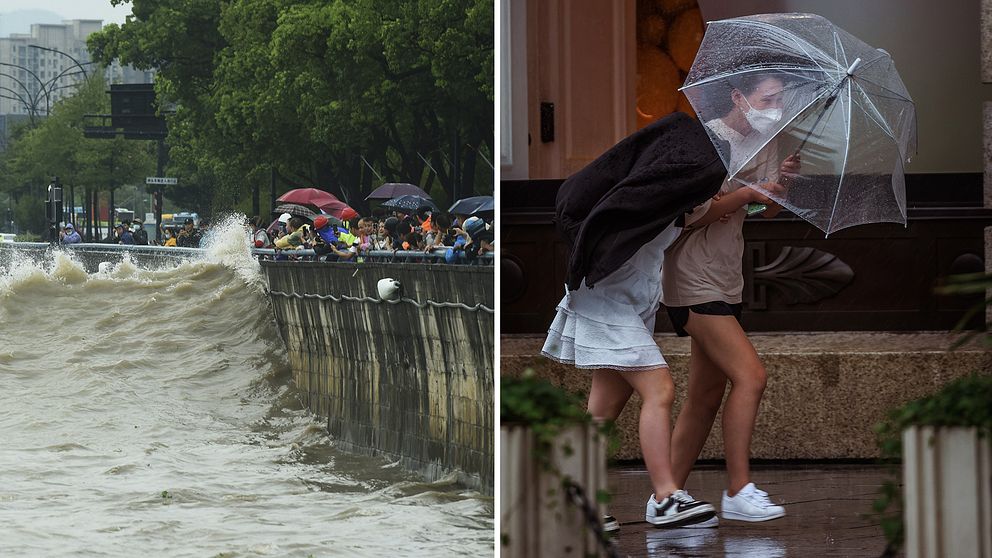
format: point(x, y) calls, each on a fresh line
point(71, 9)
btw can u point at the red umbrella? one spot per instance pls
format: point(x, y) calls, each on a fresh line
point(340, 210)
point(320, 199)
point(308, 196)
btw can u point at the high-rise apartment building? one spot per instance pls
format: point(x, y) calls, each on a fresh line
point(38, 69)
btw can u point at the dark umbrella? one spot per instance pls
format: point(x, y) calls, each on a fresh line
point(296, 210)
point(410, 204)
point(473, 206)
point(392, 190)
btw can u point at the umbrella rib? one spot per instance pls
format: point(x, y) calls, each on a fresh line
point(872, 61)
point(897, 94)
point(738, 72)
point(847, 150)
point(875, 112)
point(840, 46)
point(778, 31)
point(884, 125)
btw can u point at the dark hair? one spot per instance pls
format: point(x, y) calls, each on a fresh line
point(391, 224)
point(296, 222)
point(747, 83)
point(403, 228)
point(441, 221)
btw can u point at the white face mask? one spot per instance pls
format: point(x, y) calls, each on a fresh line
point(762, 120)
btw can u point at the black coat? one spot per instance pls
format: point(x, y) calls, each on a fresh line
point(627, 196)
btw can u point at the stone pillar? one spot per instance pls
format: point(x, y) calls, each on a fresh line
point(987, 129)
point(988, 256)
point(986, 38)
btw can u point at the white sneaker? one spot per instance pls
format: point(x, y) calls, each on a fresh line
point(750, 504)
point(678, 510)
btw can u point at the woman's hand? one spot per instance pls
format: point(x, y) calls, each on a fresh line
point(791, 165)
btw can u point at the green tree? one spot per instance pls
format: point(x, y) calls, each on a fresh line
point(55, 146)
point(341, 95)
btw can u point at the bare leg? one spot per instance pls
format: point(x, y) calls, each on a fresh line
point(657, 393)
point(727, 346)
point(707, 384)
point(608, 395)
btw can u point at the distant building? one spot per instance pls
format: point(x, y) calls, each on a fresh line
point(33, 79)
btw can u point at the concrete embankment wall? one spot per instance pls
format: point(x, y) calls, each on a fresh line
point(824, 394)
point(412, 383)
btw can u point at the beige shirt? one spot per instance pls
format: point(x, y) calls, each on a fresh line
point(705, 264)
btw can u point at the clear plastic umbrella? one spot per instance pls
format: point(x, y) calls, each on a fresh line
point(808, 114)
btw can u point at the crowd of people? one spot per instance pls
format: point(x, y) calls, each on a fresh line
point(464, 237)
point(458, 237)
point(133, 232)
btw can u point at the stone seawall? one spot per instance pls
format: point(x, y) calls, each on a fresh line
point(410, 381)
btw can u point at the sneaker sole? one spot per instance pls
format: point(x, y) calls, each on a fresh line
point(735, 516)
point(687, 519)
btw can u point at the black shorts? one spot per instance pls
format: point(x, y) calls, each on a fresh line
point(679, 315)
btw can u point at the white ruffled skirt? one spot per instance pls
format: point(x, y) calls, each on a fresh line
point(612, 324)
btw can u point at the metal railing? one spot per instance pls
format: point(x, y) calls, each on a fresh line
point(405, 256)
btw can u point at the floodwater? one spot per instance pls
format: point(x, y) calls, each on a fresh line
point(151, 412)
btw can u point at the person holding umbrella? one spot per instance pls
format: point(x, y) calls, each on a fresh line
point(702, 285)
point(780, 94)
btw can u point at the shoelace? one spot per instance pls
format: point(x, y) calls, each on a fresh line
point(759, 498)
point(682, 496)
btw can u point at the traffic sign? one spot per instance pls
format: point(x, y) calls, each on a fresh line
point(160, 180)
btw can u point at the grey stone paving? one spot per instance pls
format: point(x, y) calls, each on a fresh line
point(827, 505)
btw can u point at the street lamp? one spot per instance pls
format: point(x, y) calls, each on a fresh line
point(24, 99)
point(36, 78)
point(56, 51)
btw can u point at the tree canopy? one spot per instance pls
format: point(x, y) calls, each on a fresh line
point(342, 95)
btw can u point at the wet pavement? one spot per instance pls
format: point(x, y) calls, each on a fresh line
point(827, 507)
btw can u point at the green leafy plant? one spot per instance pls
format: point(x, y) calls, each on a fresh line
point(547, 410)
point(965, 402)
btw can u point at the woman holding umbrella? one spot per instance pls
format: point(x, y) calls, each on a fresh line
point(769, 87)
point(703, 283)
